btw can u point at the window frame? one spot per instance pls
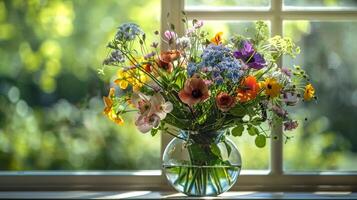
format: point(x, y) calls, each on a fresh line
point(273, 179)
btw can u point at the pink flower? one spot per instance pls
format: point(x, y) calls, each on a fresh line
point(146, 123)
point(170, 35)
point(159, 106)
point(198, 24)
point(194, 91)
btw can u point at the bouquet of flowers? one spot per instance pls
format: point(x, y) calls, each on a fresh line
point(203, 88)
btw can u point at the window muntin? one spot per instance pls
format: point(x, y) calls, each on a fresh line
point(226, 3)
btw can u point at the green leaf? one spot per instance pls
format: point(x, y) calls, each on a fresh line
point(260, 141)
point(215, 150)
point(238, 111)
point(228, 147)
point(238, 130)
point(252, 130)
point(154, 131)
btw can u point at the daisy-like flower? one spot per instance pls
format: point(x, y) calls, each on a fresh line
point(248, 89)
point(309, 92)
point(217, 39)
point(224, 101)
point(109, 110)
point(272, 88)
point(194, 91)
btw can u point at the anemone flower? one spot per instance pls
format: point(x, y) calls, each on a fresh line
point(252, 58)
point(248, 89)
point(194, 91)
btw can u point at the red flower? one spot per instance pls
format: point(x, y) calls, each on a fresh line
point(248, 89)
point(194, 91)
point(224, 101)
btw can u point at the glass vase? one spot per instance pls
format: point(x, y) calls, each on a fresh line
point(201, 164)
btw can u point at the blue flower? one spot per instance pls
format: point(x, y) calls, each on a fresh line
point(191, 68)
point(114, 58)
point(128, 32)
point(222, 62)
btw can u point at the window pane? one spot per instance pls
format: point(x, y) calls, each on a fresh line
point(252, 157)
point(321, 3)
point(227, 3)
point(327, 140)
point(50, 91)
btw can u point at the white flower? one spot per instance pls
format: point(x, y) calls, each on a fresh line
point(183, 42)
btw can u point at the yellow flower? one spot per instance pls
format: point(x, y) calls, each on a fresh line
point(272, 87)
point(133, 76)
point(309, 92)
point(109, 110)
point(217, 39)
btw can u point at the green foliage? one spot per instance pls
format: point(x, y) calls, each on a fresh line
point(260, 141)
point(238, 130)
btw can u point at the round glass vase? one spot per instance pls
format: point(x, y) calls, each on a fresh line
point(201, 164)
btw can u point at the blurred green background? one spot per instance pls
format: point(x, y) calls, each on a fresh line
point(50, 90)
point(51, 93)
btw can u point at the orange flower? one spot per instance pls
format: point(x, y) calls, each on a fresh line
point(309, 92)
point(248, 89)
point(217, 39)
point(224, 101)
point(166, 58)
point(109, 110)
point(194, 91)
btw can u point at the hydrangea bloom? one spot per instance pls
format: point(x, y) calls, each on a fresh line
point(128, 32)
point(218, 60)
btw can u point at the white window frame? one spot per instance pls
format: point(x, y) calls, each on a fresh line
point(274, 179)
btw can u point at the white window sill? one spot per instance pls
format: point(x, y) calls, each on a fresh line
point(164, 195)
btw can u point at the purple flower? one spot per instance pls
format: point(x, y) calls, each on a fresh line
point(286, 71)
point(252, 58)
point(280, 112)
point(290, 125)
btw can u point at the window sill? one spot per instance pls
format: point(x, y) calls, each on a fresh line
point(164, 195)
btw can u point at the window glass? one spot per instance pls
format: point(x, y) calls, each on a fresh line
point(226, 3)
point(51, 93)
point(321, 3)
point(252, 156)
point(326, 138)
